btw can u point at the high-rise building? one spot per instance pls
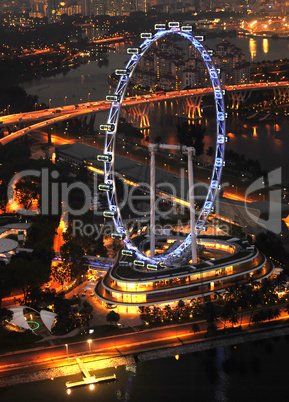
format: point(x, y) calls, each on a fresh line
point(88, 7)
point(38, 8)
point(100, 7)
point(125, 7)
point(52, 6)
point(69, 9)
point(168, 67)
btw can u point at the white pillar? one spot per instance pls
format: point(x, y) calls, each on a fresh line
point(191, 152)
point(153, 200)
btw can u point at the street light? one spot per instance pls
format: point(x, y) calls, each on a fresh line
point(65, 99)
point(8, 109)
point(88, 97)
point(89, 344)
point(35, 104)
point(49, 103)
point(66, 345)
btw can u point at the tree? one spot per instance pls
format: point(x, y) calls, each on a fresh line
point(230, 312)
point(130, 131)
point(60, 273)
point(181, 304)
point(276, 313)
point(267, 291)
point(242, 301)
point(86, 314)
point(269, 314)
point(168, 311)
point(196, 328)
point(211, 313)
point(17, 97)
point(100, 247)
point(6, 281)
point(72, 255)
point(27, 192)
point(256, 318)
point(148, 310)
point(28, 273)
point(158, 139)
point(112, 316)
point(65, 319)
point(35, 296)
point(191, 135)
point(210, 152)
point(5, 314)
point(226, 312)
point(212, 328)
point(233, 318)
point(255, 299)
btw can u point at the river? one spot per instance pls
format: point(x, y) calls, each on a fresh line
point(254, 371)
point(92, 78)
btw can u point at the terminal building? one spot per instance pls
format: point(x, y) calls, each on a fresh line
point(129, 287)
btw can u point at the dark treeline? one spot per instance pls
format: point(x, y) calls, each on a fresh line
point(17, 99)
point(240, 164)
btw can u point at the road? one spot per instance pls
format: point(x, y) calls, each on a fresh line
point(122, 344)
point(51, 116)
point(116, 345)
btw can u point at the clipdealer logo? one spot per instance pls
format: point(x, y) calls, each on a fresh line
point(55, 198)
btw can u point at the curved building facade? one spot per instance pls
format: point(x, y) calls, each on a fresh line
point(129, 287)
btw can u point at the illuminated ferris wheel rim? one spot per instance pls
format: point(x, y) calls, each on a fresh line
point(110, 139)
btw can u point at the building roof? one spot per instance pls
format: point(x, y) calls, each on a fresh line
point(47, 317)
point(7, 245)
point(18, 317)
point(130, 169)
point(17, 226)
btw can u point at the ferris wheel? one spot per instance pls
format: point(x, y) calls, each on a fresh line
point(110, 128)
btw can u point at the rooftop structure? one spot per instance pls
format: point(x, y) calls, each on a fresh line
point(7, 249)
point(129, 287)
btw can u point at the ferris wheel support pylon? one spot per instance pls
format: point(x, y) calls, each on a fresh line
point(153, 200)
point(191, 152)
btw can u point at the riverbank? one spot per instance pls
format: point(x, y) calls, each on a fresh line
point(70, 367)
point(93, 363)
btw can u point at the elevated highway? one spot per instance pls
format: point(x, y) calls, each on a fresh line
point(136, 107)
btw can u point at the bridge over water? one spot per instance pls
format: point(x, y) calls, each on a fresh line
point(136, 109)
